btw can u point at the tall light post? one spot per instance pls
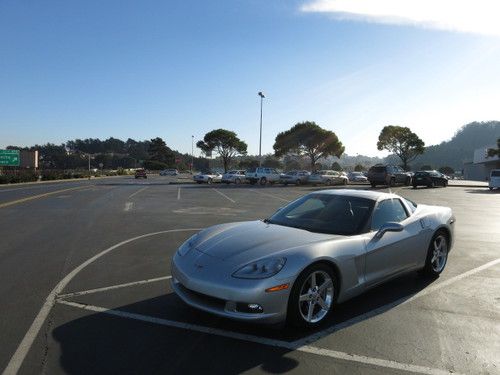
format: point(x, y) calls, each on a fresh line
point(262, 96)
point(192, 153)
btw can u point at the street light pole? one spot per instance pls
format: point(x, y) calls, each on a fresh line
point(89, 166)
point(192, 153)
point(262, 96)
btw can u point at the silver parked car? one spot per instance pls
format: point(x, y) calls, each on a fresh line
point(295, 177)
point(328, 178)
point(233, 176)
point(323, 248)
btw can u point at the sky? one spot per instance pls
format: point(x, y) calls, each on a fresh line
point(173, 69)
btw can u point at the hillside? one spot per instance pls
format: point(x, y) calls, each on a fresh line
point(458, 149)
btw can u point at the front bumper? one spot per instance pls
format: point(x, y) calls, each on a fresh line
point(226, 296)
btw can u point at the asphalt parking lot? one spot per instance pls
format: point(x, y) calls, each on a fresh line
point(85, 288)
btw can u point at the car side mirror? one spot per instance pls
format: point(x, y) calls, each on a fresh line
point(388, 227)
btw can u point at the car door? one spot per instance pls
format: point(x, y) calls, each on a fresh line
point(394, 252)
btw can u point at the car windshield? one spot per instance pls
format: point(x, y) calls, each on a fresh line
point(326, 213)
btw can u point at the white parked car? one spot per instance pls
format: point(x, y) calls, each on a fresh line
point(328, 178)
point(234, 176)
point(357, 177)
point(169, 172)
point(207, 177)
point(494, 179)
point(262, 175)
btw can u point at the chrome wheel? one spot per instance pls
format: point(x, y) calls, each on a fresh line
point(439, 253)
point(316, 296)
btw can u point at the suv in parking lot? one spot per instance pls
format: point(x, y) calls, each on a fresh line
point(390, 175)
point(262, 175)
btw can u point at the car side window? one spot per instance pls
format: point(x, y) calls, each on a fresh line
point(386, 211)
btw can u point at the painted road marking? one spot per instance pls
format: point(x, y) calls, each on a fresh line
point(270, 195)
point(22, 200)
point(179, 194)
point(384, 363)
point(137, 192)
point(224, 195)
point(128, 206)
point(118, 286)
point(402, 301)
point(22, 350)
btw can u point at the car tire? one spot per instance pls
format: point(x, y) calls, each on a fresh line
point(414, 186)
point(445, 183)
point(345, 182)
point(439, 247)
point(297, 182)
point(432, 184)
point(263, 181)
point(328, 182)
point(297, 312)
point(209, 181)
point(491, 189)
point(392, 182)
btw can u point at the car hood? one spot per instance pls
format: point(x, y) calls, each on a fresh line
point(251, 240)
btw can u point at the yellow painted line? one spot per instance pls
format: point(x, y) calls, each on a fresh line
point(22, 200)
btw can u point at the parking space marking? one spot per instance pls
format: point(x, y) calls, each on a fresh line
point(138, 191)
point(128, 206)
point(270, 195)
point(22, 350)
point(22, 200)
point(179, 194)
point(224, 195)
point(384, 363)
point(402, 301)
point(111, 287)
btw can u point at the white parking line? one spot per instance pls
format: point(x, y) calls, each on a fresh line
point(138, 191)
point(97, 290)
point(128, 206)
point(270, 195)
point(22, 350)
point(402, 301)
point(179, 194)
point(224, 195)
point(384, 363)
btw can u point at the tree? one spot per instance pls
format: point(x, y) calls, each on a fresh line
point(336, 166)
point(158, 151)
point(308, 138)
point(272, 162)
point(225, 143)
point(401, 141)
point(447, 170)
point(359, 168)
point(492, 152)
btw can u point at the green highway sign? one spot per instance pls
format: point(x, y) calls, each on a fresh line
point(10, 158)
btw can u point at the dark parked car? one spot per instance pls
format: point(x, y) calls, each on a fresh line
point(141, 173)
point(429, 179)
point(390, 175)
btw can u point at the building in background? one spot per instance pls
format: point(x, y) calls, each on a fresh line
point(481, 165)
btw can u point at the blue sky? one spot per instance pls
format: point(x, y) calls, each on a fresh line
point(142, 69)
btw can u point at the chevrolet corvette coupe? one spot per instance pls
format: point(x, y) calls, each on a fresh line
point(321, 249)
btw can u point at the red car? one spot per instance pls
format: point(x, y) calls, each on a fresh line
point(140, 173)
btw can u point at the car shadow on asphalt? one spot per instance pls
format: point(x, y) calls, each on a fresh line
point(101, 343)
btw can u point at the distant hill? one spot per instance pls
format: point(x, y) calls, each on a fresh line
point(458, 149)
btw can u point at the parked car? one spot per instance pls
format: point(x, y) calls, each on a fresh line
point(208, 177)
point(357, 177)
point(494, 179)
point(429, 179)
point(262, 175)
point(295, 177)
point(140, 173)
point(390, 175)
point(169, 172)
point(327, 177)
point(321, 249)
point(234, 176)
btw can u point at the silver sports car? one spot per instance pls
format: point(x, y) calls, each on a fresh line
point(320, 249)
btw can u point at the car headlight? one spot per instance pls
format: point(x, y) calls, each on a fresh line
point(187, 245)
point(261, 269)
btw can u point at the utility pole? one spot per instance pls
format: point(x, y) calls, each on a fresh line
point(89, 165)
point(262, 96)
point(192, 153)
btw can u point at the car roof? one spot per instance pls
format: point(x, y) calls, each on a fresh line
point(367, 194)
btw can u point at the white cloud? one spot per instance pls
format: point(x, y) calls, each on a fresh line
point(471, 16)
